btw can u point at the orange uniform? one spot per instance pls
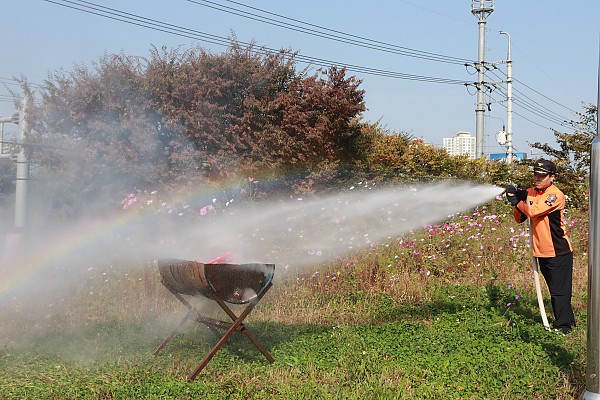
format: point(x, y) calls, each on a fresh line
point(549, 236)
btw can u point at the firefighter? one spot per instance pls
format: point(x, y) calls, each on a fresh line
point(544, 204)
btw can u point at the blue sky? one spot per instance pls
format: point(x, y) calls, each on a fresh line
point(554, 50)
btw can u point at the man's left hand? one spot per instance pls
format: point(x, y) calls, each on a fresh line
point(511, 195)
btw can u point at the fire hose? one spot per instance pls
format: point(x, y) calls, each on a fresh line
point(536, 279)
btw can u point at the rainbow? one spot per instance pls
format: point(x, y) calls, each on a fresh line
point(19, 270)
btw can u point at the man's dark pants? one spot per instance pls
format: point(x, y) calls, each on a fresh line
point(558, 273)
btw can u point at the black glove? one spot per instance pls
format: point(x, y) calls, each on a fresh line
point(521, 194)
point(511, 195)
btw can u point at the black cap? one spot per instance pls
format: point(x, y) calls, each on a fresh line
point(544, 167)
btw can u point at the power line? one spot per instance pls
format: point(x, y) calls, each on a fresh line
point(547, 98)
point(144, 22)
point(535, 91)
point(323, 32)
point(523, 100)
point(525, 118)
point(541, 113)
point(534, 112)
point(536, 108)
point(153, 24)
point(12, 81)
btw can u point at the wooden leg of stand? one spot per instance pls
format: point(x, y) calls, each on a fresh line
point(244, 329)
point(173, 332)
point(236, 324)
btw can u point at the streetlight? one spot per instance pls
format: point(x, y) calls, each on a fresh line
point(509, 155)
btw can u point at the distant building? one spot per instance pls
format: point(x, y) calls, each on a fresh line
point(461, 143)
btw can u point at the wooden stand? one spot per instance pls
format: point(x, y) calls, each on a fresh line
point(236, 326)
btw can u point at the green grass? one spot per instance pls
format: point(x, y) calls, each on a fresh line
point(463, 344)
point(448, 312)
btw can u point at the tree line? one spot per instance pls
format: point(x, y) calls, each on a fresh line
point(187, 116)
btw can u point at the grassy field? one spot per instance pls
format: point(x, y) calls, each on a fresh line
point(445, 312)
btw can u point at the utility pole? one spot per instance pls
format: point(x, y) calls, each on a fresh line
point(481, 9)
point(509, 82)
point(592, 381)
point(12, 240)
point(22, 170)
